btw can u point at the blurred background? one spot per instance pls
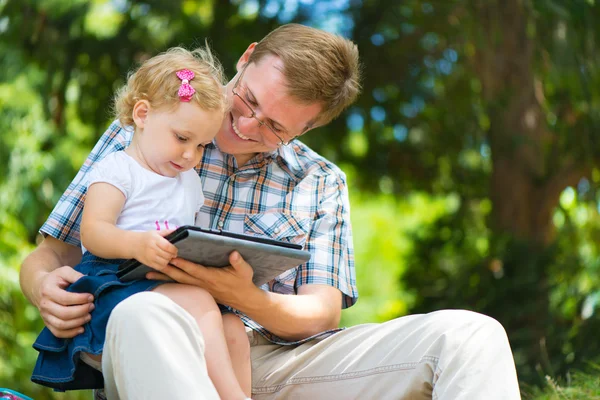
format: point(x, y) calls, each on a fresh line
point(473, 155)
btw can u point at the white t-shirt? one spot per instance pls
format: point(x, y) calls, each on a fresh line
point(152, 201)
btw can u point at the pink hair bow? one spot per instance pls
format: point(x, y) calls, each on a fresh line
point(186, 91)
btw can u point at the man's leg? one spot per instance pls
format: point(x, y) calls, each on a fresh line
point(449, 354)
point(154, 350)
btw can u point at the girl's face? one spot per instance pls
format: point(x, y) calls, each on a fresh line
point(172, 141)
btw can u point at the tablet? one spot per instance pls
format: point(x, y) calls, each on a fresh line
point(268, 257)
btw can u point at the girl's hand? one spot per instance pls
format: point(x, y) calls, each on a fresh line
point(153, 250)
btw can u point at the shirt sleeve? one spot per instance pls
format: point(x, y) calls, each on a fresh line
point(65, 219)
point(114, 171)
point(330, 242)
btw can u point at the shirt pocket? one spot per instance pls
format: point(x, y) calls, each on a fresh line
point(277, 225)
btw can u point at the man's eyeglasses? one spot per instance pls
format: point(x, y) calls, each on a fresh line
point(249, 112)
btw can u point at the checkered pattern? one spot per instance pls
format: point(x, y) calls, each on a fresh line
point(289, 194)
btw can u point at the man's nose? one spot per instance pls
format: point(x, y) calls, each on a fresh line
point(248, 124)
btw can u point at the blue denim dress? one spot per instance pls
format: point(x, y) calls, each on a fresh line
point(58, 365)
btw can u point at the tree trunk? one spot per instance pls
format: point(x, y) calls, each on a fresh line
point(518, 132)
point(525, 185)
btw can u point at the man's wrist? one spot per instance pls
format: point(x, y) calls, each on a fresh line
point(249, 300)
point(35, 289)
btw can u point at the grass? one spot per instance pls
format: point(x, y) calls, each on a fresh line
point(581, 386)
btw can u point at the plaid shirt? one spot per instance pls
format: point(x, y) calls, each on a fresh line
point(290, 194)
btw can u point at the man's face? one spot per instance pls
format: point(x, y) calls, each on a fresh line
point(263, 87)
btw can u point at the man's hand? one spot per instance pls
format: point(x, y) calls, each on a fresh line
point(64, 313)
point(227, 285)
point(316, 308)
point(153, 250)
point(44, 276)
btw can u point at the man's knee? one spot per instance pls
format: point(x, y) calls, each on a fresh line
point(478, 332)
point(465, 318)
point(139, 310)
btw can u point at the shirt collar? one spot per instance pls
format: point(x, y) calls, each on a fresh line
point(289, 155)
point(284, 154)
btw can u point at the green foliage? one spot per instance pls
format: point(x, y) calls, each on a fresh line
point(19, 321)
point(468, 268)
point(425, 148)
point(382, 246)
point(581, 386)
point(448, 109)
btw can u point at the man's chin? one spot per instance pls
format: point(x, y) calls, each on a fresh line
point(225, 145)
point(242, 153)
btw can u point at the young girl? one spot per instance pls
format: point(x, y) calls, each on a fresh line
point(175, 102)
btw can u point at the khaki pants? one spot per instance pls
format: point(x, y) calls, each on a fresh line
point(154, 350)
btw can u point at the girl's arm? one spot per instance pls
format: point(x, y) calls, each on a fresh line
point(100, 235)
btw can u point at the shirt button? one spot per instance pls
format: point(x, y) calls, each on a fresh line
point(220, 224)
point(276, 230)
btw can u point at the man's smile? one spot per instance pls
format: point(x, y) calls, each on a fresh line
point(237, 132)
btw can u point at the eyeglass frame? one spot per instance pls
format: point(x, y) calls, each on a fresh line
point(253, 115)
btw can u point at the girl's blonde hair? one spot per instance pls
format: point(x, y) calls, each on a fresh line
point(156, 81)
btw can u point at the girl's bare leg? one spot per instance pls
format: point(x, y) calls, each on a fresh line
point(239, 350)
point(200, 304)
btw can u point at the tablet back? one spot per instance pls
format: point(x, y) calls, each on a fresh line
point(212, 250)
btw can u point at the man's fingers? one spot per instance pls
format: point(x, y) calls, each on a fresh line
point(172, 274)
point(188, 266)
point(63, 329)
point(240, 265)
point(68, 274)
point(62, 297)
point(237, 261)
point(67, 313)
point(53, 288)
point(157, 276)
point(65, 334)
point(178, 273)
point(63, 325)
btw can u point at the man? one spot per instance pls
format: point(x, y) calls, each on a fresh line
point(258, 179)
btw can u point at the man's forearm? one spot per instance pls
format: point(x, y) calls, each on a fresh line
point(34, 267)
point(292, 317)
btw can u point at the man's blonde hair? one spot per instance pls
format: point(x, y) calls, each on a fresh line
point(156, 81)
point(319, 67)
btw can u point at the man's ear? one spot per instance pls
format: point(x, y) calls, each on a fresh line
point(140, 113)
point(245, 57)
